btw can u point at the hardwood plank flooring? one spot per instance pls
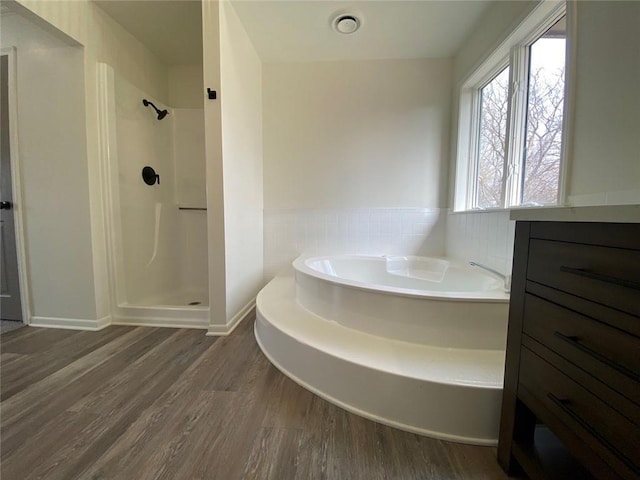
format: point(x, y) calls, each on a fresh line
point(150, 403)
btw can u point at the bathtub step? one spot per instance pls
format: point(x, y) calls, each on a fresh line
point(452, 394)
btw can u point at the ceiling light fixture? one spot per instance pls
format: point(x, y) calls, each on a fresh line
point(346, 24)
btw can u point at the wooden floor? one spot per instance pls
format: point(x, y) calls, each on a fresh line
point(139, 403)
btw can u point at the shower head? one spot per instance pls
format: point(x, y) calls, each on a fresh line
point(161, 113)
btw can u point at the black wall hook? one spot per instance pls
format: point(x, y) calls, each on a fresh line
point(150, 176)
point(211, 94)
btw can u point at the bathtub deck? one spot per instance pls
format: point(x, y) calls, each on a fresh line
point(446, 393)
point(473, 367)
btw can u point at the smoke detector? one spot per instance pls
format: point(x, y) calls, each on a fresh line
point(346, 24)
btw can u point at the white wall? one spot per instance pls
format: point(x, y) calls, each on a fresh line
point(213, 151)
point(494, 26)
point(130, 58)
point(486, 237)
point(604, 158)
point(356, 134)
point(241, 97)
point(104, 40)
point(185, 86)
point(355, 157)
point(52, 156)
point(605, 161)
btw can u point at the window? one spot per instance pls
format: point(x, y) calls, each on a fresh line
point(545, 109)
point(512, 117)
point(492, 141)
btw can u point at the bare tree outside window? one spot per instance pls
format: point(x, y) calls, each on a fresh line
point(543, 141)
point(545, 108)
point(492, 141)
point(510, 151)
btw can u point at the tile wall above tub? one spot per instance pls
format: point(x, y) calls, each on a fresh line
point(485, 237)
point(366, 231)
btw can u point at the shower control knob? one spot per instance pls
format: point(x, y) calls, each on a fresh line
point(5, 205)
point(150, 176)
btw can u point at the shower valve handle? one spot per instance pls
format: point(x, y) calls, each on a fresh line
point(5, 205)
point(150, 176)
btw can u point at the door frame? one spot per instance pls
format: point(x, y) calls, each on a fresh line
point(16, 184)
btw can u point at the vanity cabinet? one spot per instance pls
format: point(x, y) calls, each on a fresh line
point(571, 402)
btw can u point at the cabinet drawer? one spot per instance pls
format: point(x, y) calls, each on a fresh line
point(612, 436)
point(603, 351)
point(610, 276)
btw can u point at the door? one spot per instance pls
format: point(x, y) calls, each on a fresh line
point(10, 308)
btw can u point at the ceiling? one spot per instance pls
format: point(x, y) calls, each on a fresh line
point(284, 31)
point(300, 30)
point(171, 29)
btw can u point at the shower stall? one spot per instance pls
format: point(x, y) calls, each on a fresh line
point(153, 167)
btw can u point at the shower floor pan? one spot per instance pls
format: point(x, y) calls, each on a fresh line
point(184, 298)
point(187, 309)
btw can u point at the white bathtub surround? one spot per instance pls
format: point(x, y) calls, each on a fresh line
point(368, 294)
point(424, 372)
point(376, 231)
point(484, 237)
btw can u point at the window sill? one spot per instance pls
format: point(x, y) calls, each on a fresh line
point(510, 209)
point(486, 210)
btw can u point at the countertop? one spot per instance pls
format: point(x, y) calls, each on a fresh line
point(605, 213)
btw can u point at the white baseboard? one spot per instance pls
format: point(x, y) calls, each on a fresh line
point(162, 322)
point(71, 323)
point(223, 330)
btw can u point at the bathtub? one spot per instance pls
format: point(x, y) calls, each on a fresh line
point(412, 342)
point(429, 301)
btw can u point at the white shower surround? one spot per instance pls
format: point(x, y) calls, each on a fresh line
point(429, 362)
point(144, 226)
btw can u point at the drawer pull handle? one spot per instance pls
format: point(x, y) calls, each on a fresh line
point(574, 341)
point(601, 277)
point(565, 406)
